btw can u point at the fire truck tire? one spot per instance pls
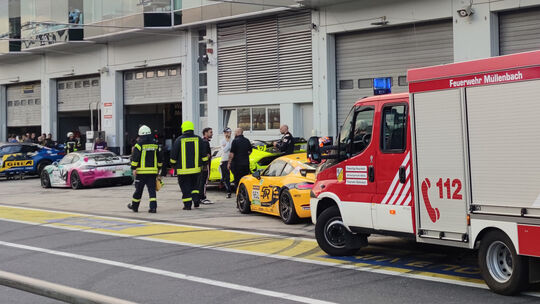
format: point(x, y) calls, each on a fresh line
point(242, 200)
point(504, 271)
point(331, 233)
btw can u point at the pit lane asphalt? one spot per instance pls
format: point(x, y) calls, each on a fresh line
point(307, 280)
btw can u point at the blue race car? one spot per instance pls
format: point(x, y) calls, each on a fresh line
point(26, 158)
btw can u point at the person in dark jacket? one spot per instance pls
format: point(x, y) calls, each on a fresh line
point(187, 156)
point(286, 143)
point(72, 144)
point(205, 169)
point(146, 161)
point(239, 156)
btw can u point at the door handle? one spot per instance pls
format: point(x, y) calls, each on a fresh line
point(371, 174)
point(402, 175)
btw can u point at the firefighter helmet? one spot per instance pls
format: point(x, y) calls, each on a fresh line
point(187, 126)
point(70, 134)
point(144, 130)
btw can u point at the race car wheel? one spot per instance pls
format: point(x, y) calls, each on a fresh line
point(75, 180)
point(42, 164)
point(242, 200)
point(287, 212)
point(504, 271)
point(45, 180)
point(331, 233)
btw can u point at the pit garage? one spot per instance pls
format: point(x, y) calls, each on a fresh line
point(76, 97)
point(24, 108)
point(519, 31)
point(153, 97)
point(387, 52)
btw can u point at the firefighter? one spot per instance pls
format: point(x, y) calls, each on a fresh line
point(72, 144)
point(146, 161)
point(286, 143)
point(187, 155)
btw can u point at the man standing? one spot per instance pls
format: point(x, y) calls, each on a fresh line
point(205, 169)
point(100, 144)
point(187, 156)
point(223, 168)
point(239, 156)
point(286, 143)
point(72, 144)
point(146, 161)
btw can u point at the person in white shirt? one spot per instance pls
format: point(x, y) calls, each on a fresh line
point(226, 148)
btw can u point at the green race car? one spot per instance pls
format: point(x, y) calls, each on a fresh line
point(263, 154)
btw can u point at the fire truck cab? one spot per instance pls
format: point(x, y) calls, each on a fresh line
point(454, 162)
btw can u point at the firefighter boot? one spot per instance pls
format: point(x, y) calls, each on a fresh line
point(134, 206)
point(153, 207)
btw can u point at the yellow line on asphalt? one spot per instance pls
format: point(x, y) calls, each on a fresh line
point(259, 244)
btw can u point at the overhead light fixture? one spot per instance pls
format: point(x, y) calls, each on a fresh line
point(383, 21)
point(15, 79)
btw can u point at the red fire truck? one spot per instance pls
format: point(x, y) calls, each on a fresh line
point(455, 162)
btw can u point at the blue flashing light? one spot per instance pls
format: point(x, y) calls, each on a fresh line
point(382, 85)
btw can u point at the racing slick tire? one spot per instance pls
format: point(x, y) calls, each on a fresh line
point(287, 212)
point(504, 271)
point(242, 200)
point(41, 165)
point(45, 180)
point(332, 235)
point(75, 181)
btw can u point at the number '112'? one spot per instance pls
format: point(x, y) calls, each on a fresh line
point(456, 185)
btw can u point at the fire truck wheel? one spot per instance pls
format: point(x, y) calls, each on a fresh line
point(504, 271)
point(242, 200)
point(331, 233)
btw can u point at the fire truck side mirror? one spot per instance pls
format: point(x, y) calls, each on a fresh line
point(313, 149)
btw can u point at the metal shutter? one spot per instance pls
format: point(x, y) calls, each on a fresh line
point(388, 52)
point(519, 31)
point(21, 112)
point(76, 94)
point(165, 89)
point(232, 63)
point(269, 53)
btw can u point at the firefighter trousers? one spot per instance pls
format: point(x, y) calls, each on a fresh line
point(148, 180)
point(189, 185)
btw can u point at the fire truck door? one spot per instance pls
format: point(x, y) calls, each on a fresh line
point(440, 163)
point(391, 209)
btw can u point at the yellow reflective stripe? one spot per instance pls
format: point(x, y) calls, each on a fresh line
point(138, 147)
point(147, 171)
point(195, 191)
point(153, 199)
point(186, 199)
point(188, 171)
point(160, 164)
point(135, 164)
point(136, 200)
point(172, 161)
point(194, 140)
point(205, 158)
point(143, 159)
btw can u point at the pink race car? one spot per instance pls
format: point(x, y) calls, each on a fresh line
point(87, 169)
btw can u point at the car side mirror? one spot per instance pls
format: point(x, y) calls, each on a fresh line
point(257, 174)
point(314, 150)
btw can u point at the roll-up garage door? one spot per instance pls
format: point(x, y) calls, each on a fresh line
point(76, 94)
point(519, 31)
point(24, 105)
point(265, 53)
point(153, 85)
point(387, 52)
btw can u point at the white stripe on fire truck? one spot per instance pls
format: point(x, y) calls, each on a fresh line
point(395, 181)
point(403, 193)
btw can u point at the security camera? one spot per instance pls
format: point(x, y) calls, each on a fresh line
point(465, 11)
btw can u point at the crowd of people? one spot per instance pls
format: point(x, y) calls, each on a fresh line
point(44, 139)
point(190, 158)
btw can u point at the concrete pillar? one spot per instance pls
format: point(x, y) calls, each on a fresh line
point(476, 36)
point(190, 78)
point(49, 109)
point(215, 119)
point(112, 109)
point(3, 113)
point(324, 79)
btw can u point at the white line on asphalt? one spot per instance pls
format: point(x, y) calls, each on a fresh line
point(181, 276)
point(275, 256)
